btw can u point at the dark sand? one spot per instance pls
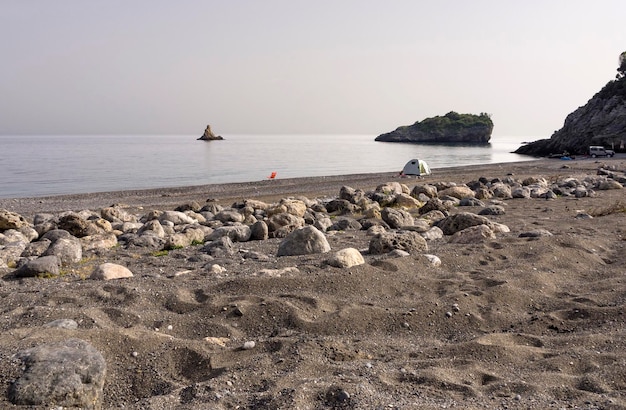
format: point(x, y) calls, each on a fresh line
point(507, 323)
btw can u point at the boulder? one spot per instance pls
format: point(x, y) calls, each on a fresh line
point(46, 265)
point(346, 258)
point(473, 234)
point(463, 220)
point(11, 220)
point(69, 373)
point(407, 241)
point(110, 271)
point(304, 241)
point(68, 249)
point(397, 218)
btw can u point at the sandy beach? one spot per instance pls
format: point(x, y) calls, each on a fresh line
point(512, 321)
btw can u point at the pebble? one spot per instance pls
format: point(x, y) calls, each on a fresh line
point(448, 314)
point(249, 345)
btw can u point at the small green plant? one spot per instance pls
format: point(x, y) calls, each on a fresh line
point(163, 252)
point(196, 242)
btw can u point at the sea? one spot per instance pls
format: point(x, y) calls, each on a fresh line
point(47, 165)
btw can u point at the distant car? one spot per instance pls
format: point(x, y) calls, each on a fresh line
point(598, 151)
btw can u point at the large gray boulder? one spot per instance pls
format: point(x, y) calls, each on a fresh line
point(397, 218)
point(65, 246)
point(70, 373)
point(304, 241)
point(44, 266)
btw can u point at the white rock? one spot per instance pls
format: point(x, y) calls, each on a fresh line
point(346, 258)
point(109, 271)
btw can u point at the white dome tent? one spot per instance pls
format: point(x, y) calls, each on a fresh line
point(416, 167)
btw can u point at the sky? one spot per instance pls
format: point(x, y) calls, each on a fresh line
point(300, 67)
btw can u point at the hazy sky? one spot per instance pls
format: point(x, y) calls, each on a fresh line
point(291, 66)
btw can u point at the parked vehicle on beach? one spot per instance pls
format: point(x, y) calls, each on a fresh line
point(599, 151)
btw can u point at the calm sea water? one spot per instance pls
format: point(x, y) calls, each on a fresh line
point(32, 166)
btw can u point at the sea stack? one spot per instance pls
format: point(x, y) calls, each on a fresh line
point(209, 136)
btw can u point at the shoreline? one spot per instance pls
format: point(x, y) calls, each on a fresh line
point(268, 190)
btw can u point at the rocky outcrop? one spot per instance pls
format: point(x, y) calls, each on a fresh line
point(209, 136)
point(602, 121)
point(451, 128)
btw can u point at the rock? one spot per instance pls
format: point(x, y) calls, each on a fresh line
point(407, 241)
point(78, 226)
point(304, 241)
point(492, 210)
point(397, 218)
point(68, 248)
point(473, 234)
point(340, 206)
point(177, 241)
point(429, 191)
point(458, 192)
point(537, 233)
point(390, 188)
point(280, 225)
point(501, 190)
point(109, 271)
point(345, 224)
point(520, 192)
point(432, 234)
point(209, 136)
point(346, 258)
point(434, 204)
point(471, 201)
point(11, 220)
point(36, 248)
point(115, 214)
point(451, 128)
point(351, 195)
point(62, 324)
point(99, 241)
point(458, 222)
point(176, 217)
point(601, 121)
point(433, 259)
point(69, 373)
point(609, 184)
point(153, 227)
point(44, 266)
point(259, 231)
point(406, 201)
point(237, 233)
point(275, 273)
point(222, 246)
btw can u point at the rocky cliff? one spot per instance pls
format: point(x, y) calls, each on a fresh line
point(209, 136)
point(451, 128)
point(602, 121)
